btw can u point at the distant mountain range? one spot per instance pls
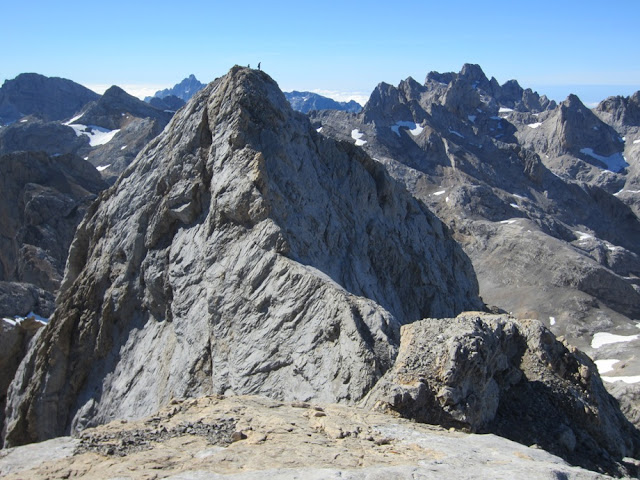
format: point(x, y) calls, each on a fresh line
point(307, 101)
point(184, 90)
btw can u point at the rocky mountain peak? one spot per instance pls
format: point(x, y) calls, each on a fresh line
point(474, 74)
point(241, 252)
point(622, 112)
point(184, 90)
point(50, 98)
point(116, 108)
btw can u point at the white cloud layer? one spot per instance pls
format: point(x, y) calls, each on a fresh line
point(136, 90)
point(338, 96)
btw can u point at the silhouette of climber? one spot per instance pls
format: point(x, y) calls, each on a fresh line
point(249, 66)
point(258, 65)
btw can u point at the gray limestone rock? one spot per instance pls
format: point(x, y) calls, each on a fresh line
point(241, 252)
point(490, 373)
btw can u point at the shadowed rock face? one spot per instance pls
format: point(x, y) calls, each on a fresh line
point(240, 253)
point(42, 200)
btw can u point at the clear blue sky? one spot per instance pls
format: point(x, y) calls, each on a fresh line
point(552, 46)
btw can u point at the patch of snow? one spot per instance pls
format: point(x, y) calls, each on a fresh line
point(86, 158)
point(456, 133)
point(605, 366)
point(169, 111)
point(97, 135)
point(552, 320)
point(519, 196)
point(103, 167)
point(615, 162)
point(636, 141)
point(412, 126)
point(516, 206)
point(319, 129)
point(439, 192)
point(18, 319)
point(123, 147)
point(509, 222)
point(472, 118)
point(583, 236)
point(24, 121)
point(604, 338)
point(611, 247)
point(357, 136)
point(73, 120)
point(534, 125)
point(634, 379)
point(505, 110)
point(446, 199)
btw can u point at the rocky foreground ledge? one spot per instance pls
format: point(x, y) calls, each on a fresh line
point(250, 437)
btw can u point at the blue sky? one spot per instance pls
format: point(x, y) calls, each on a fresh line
point(555, 47)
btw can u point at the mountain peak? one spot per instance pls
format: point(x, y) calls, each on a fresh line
point(239, 228)
point(473, 72)
point(184, 90)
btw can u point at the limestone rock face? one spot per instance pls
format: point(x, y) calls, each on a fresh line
point(489, 373)
point(241, 252)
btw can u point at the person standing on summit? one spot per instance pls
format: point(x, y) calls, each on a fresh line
point(259, 65)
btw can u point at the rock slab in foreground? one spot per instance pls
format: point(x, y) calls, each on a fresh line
point(490, 373)
point(282, 441)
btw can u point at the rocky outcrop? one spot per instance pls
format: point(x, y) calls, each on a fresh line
point(241, 252)
point(306, 101)
point(489, 373)
point(48, 98)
